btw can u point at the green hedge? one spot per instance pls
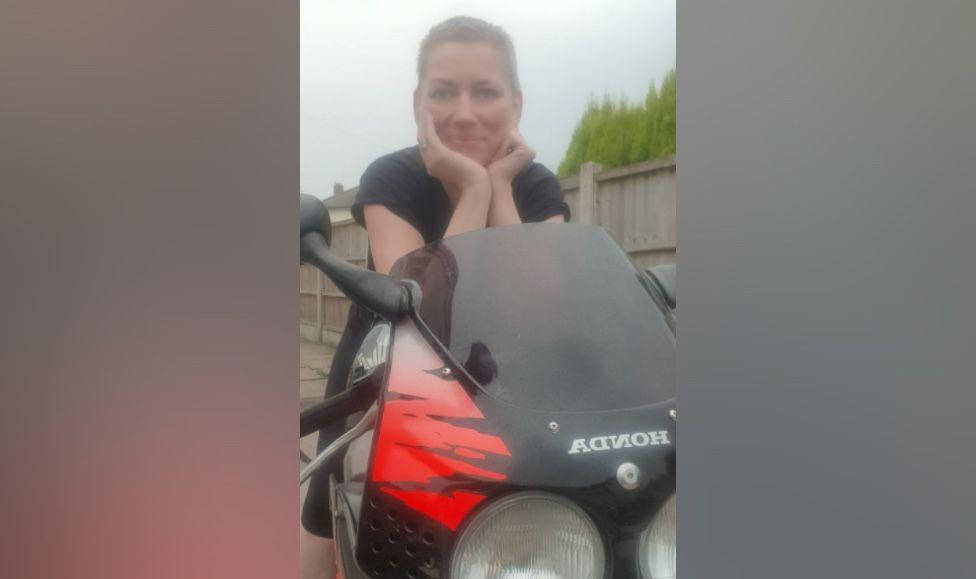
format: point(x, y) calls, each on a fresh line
point(618, 133)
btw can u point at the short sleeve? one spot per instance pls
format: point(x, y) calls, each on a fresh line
point(388, 182)
point(539, 195)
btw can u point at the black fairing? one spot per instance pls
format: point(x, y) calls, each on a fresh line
point(556, 338)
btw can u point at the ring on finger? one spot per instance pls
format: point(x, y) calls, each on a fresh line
point(423, 145)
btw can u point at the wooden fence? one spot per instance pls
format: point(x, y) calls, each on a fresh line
point(635, 204)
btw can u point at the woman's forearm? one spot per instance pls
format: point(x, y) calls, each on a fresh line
point(472, 209)
point(502, 210)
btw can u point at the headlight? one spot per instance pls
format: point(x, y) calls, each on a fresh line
point(657, 544)
point(529, 536)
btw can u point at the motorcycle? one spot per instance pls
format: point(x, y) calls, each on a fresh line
point(513, 414)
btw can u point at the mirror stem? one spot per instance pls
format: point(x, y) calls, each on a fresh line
point(378, 293)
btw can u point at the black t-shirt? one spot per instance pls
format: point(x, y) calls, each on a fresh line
point(399, 181)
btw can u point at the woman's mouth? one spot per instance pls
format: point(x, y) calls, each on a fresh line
point(464, 141)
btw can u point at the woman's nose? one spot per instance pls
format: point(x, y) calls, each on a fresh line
point(464, 111)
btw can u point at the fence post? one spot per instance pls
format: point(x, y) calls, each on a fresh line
point(586, 212)
point(319, 306)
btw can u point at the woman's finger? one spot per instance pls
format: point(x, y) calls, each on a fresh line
point(518, 141)
point(422, 128)
point(503, 149)
point(430, 132)
point(430, 146)
point(521, 147)
point(426, 135)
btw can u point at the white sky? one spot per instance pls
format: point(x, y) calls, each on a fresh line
point(358, 71)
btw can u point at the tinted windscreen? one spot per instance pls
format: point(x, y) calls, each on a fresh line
point(546, 316)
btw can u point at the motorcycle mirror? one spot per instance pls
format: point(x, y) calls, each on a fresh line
point(384, 296)
point(313, 215)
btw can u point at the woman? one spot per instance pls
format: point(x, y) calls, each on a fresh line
point(470, 169)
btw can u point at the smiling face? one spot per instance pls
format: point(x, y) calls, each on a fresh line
point(467, 90)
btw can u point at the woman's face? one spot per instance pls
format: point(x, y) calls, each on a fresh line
point(466, 89)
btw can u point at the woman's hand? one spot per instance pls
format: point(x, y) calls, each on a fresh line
point(450, 167)
point(456, 171)
point(512, 156)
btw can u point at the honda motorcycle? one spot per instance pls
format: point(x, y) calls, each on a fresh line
point(511, 415)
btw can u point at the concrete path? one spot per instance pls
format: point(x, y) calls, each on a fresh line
point(314, 363)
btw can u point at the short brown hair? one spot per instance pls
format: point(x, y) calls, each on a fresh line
point(468, 29)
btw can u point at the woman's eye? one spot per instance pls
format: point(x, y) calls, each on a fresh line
point(486, 93)
point(439, 93)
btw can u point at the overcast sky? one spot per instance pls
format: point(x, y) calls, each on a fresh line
point(358, 71)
